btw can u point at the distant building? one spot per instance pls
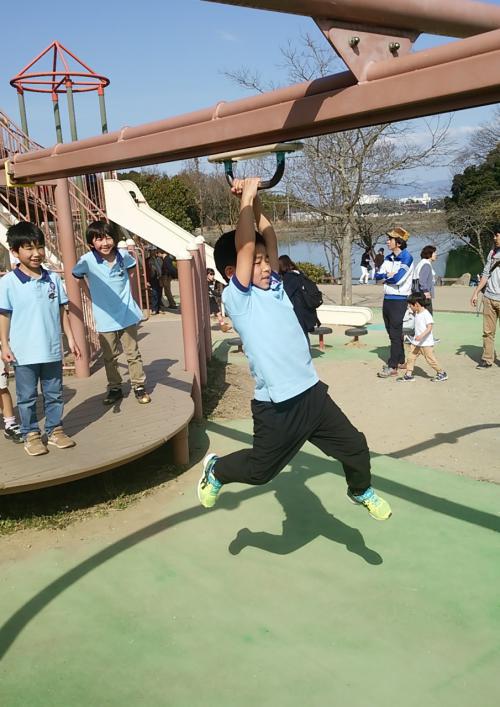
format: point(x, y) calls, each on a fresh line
point(425, 199)
point(303, 216)
point(366, 199)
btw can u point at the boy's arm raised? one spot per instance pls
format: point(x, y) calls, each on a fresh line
point(266, 229)
point(245, 229)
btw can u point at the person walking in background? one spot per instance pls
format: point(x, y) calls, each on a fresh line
point(422, 343)
point(378, 261)
point(396, 273)
point(168, 273)
point(293, 284)
point(366, 264)
point(424, 276)
point(214, 299)
point(153, 276)
point(490, 280)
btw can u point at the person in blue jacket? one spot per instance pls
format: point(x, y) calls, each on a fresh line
point(396, 273)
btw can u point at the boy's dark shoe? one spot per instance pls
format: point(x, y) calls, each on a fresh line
point(33, 444)
point(141, 396)
point(387, 372)
point(407, 378)
point(14, 433)
point(113, 396)
point(484, 364)
point(441, 376)
point(58, 438)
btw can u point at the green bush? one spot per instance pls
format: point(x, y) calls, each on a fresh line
point(462, 260)
point(314, 272)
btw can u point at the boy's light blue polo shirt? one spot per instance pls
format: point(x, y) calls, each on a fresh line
point(35, 317)
point(113, 306)
point(273, 340)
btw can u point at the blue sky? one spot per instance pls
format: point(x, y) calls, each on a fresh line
point(163, 58)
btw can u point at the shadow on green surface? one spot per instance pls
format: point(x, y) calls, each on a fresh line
point(305, 520)
point(333, 529)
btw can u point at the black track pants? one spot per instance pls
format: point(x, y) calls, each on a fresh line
point(393, 311)
point(280, 430)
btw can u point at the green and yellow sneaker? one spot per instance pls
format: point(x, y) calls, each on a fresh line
point(208, 485)
point(376, 506)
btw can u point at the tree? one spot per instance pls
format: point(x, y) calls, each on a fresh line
point(473, 210)
point(214, 202)
point(170, 196)
point(335, 170)
point(481, 143)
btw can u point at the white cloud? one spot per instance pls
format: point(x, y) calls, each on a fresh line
point(227, 36)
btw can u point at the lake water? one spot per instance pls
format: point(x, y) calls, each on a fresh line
point(309, 251)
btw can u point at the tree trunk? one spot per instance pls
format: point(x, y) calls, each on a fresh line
point(346, 265)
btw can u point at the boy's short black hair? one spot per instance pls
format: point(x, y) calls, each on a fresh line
point(24, 233)
point(101, 228)
point(225, 251)
point(417, 298)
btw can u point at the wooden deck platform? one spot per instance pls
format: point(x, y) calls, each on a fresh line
point(109, 436)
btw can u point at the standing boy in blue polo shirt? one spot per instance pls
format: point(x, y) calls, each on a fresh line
point(290, 404)
point(116, 313)
point(32, 310)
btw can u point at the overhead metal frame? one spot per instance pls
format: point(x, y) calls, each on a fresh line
point(383, 84)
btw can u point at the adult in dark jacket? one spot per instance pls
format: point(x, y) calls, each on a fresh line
point(292, 283)
point(168, 273)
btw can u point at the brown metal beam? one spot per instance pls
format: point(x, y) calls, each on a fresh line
point(453, 18)
point(443, 79)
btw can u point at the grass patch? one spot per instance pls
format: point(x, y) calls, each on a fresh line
point(59, 506)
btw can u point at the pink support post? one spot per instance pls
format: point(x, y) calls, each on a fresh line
point(197, 267)
point(206, 305)
point(191, 358)
point(68, 254)
point(135, 285)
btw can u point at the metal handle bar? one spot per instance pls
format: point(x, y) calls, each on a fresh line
point(267, 184)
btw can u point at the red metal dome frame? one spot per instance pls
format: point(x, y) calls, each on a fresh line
point(59, 79)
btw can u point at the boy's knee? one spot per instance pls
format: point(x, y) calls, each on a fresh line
point(261, 474)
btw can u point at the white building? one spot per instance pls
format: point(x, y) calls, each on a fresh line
point(425, 199)
point(365, 199)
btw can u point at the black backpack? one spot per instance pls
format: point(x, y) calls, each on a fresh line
point(311, 294)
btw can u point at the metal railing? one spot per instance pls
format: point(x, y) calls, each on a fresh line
point(37, 204)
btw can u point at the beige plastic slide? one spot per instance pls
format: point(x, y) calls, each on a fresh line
point(126, 205)
point(329, 314)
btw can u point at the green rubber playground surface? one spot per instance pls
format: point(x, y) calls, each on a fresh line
point(281, 595)
point(454, 329)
